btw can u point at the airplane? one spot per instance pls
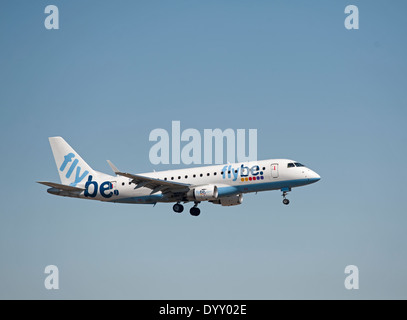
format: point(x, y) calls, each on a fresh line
point(220, 184)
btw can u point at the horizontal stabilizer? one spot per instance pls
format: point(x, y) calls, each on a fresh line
point(60, 186)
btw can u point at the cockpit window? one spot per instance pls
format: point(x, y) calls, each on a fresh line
point(290, 165)
point(297, 164)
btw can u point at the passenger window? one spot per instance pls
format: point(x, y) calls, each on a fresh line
point(172, 178)
point(194, 175)
point(165, 179)
point(179, 177)
point(186, 177)
point(214, 173)
point(201, 175)
point(264, 168)
point(208, 174)
point(122, 183)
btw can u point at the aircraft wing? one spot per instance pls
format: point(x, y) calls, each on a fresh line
point(152, 183)
point(155, 184)
point(60, 186)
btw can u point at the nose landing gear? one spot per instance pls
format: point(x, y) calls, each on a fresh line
point(285, 190)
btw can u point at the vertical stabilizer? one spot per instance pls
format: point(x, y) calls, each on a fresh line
point(72, 169)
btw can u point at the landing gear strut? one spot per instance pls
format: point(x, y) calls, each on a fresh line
point(178, 207)
point(195, 210)
point(285, 201)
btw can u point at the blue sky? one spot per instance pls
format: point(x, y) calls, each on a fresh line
point(318, 93)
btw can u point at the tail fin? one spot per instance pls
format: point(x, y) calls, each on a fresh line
point(71, 167)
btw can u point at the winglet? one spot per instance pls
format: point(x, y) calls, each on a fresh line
point(114, 168)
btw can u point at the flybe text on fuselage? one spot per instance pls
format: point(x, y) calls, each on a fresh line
point(104, 189)
point(245, 173)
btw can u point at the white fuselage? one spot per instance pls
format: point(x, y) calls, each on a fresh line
point(230, 179)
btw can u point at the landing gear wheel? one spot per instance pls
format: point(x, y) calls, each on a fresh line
point(178, 208)
point(285, 201)
point(195, 211)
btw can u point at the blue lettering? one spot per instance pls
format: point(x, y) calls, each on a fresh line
point(73, 165)
point(235, 174)
point(78, 177)
point(67, 159)
point(95, 188)
point(106, 186)
point(244, 169)
point(224, 171)
point(254, 170)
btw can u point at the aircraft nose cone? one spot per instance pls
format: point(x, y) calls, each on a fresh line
point(314, 177)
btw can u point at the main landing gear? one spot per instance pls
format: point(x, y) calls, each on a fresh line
point(178, 207)
point(194, 211)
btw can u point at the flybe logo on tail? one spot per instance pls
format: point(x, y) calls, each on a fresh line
point(78, 176)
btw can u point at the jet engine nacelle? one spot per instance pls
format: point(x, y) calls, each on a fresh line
point(203, 193)
point(230, 201)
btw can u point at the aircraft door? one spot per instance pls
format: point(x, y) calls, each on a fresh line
point(274, 170)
